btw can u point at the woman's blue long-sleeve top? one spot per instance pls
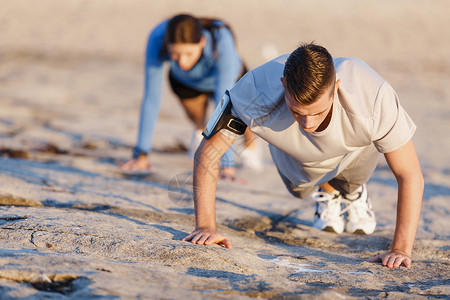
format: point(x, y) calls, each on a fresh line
point(216, 71)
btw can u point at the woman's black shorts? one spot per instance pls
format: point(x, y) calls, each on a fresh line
point(185, 92)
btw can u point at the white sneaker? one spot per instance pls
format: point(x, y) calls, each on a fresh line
point(328, 216)
point(252, 158)
point(360, 215)
point(196, 139)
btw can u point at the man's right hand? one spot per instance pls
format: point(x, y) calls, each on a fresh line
point(207, 237)
point(393, 259)
point(136, 164)
point(206, 172)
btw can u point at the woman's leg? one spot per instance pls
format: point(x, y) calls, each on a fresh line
point(195, 109)
point(195, 105)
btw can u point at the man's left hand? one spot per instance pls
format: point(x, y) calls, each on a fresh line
point(392, 259)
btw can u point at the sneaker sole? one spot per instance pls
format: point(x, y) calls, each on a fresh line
point(330, 229)
point(360, 231)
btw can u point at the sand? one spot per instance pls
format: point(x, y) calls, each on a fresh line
point(72, 225)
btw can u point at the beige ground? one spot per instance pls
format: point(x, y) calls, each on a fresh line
point(73, 226)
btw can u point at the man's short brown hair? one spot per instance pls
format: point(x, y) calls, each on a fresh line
point(309, 73)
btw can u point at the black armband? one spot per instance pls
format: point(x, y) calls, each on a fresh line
point(223, 119)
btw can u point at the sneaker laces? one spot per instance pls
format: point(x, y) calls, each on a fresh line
point(252, 158)
point(333, 203)
point(360, 207)
point(196, 139)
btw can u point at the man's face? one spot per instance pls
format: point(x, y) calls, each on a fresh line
point(313, 117)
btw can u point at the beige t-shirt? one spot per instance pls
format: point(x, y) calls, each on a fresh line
point(366, 110)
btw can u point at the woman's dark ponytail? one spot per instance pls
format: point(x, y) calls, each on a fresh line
point(188, 29)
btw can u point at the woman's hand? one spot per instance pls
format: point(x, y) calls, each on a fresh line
point(229, 174)
point(136, 164)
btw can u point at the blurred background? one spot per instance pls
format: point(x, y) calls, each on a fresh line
point(405, 32)
point(58, 58)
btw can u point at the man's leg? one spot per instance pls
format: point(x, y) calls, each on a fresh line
point(328, 205)
point(348, 181)
point(294, 190)
point(351, 183)
point(195, 109)
point(358, 172)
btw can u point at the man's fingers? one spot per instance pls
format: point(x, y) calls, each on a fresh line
point(210, 240)
point(200, 238)
point(385, 260)
point(188, 238)
point(226, 243)
point(375, 259)
point(222, 241)
point(407, 263)
point(392, 260)
point(203, 239)
point(398, 261)
point(195, 238)
point(402, 261)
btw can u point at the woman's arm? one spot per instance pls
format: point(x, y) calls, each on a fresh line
point(228, 63)
point(151, 100)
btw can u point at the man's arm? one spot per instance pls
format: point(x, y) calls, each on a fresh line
point(406, 168)
point(206, 172)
